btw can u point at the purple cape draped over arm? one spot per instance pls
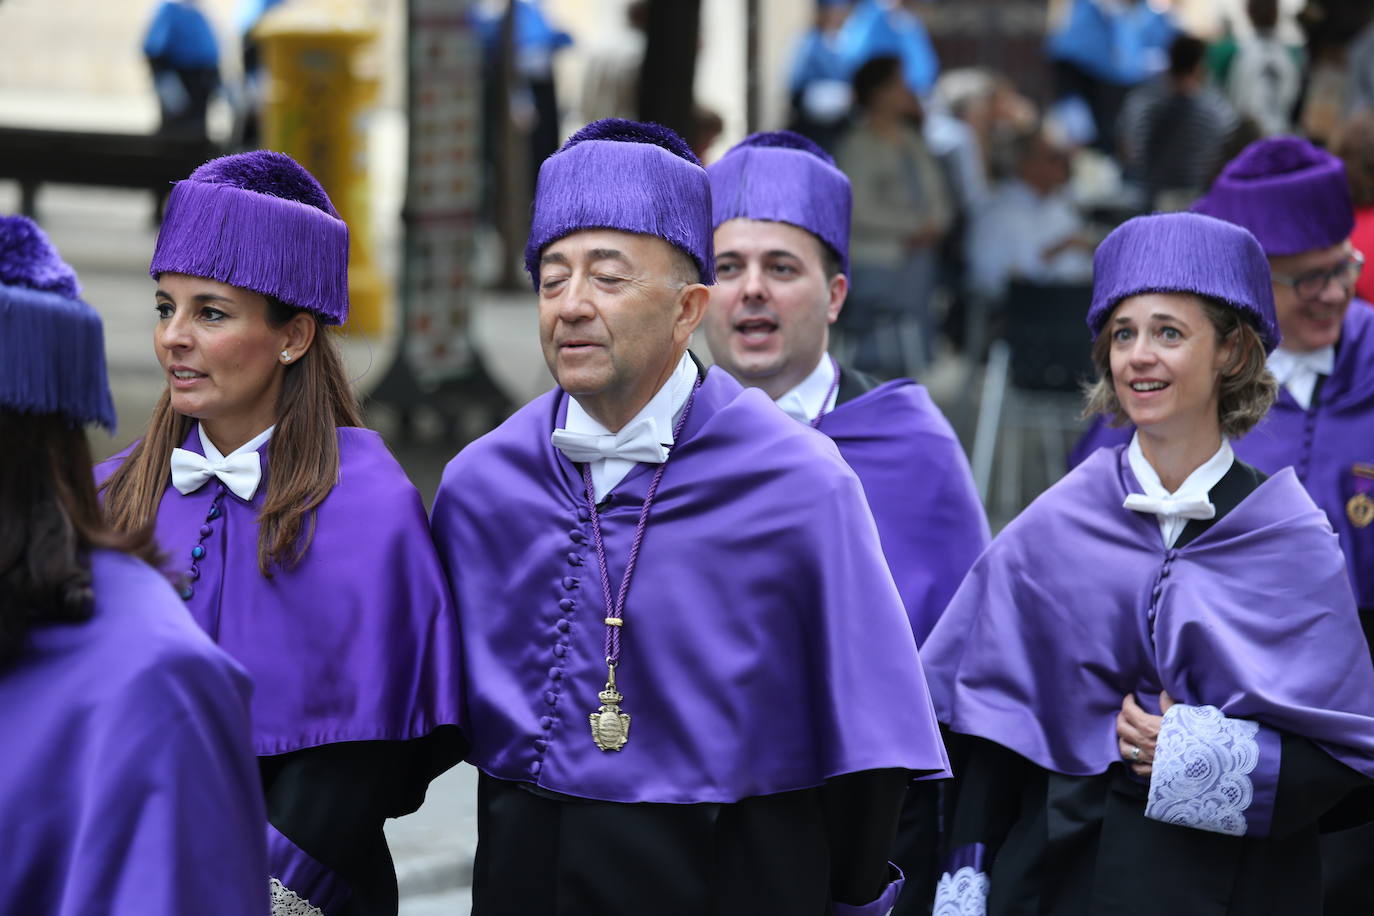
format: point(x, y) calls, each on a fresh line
point(920, 489)
point(1078, 603)
point(764, 648)
point(358, 641)
point(1324, 445)
point(127, 781)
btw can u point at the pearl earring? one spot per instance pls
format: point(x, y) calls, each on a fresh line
point(285, 356)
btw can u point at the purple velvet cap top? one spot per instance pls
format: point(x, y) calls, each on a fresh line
point(628, 176)
point(784, 177)
point(1292, 196)
point(52, 345)
point(259, 221)
point(1184, 253)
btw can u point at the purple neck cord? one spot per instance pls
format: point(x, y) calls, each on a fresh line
point(617, 611)
point(834, 387)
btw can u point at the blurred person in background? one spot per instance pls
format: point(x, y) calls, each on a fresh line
point(1355, 146)
point(1029, 228)
point(302, 549)
point(1100, 50)
point(1173, 129)
point(892, 28)
point(781, 213)
point(902, 211)
point(818, 81)
point(248, 126)
point(127, 783)
point(1154, 677)
point(182, 51)
point(610, 81)
point(1260, 73)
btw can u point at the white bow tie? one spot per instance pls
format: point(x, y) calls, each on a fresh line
point(636, 442)
point(241, 472)
point(1173, 507)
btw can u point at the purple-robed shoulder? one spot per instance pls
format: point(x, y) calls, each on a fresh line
point(127, 783)
point(355, 643)
point(764, 647)
point(1078, 603)
point(920, 490)
point(1330, 447)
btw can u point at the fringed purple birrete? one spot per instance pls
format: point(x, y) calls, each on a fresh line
point(1184, 253)
point(627, 176)
point(52, 345)
point(261, 222)
point(783, 177)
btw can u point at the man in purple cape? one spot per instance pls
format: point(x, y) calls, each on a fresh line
point(127, 783)
point(1246, 620)
point(640, 527)
point(1296, 201)
point(352, 647)
point(781, 214)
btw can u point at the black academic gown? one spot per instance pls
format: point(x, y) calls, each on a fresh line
point(1082, 846)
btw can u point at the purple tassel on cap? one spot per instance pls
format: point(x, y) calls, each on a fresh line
point(784, 177)
point(1184, 253)
point(628, 176)
point(1292, 196)
point(52, 345)
point(259, 221)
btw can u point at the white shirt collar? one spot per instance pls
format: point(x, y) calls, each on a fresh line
point(252, 445)
point(1197, 485)
point(1298, 371)
point(813, 395)
point(662, 408)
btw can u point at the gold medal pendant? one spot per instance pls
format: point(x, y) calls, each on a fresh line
point(610, 726)
point(1360, 510)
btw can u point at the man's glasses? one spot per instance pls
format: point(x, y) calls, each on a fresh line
point(1313, 283)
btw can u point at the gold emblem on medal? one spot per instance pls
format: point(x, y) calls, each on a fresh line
point(610, 726)
point(1360, 510)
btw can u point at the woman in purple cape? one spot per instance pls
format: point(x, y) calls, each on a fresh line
point(1210, 597)
point(125, 731)
point(298, 542)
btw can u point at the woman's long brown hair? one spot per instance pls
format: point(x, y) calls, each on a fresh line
point(303, 454)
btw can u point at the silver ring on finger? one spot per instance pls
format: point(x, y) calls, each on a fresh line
point(1135, 754)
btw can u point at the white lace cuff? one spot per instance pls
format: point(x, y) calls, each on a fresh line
point(963, 888)
point(1213, 773)
point(286, 902)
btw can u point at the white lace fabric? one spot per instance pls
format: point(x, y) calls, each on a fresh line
point(1201, 776)
point(286, 902)
point(964, 893)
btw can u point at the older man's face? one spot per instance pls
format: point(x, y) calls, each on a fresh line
point(1312, 320)
point(611, 317)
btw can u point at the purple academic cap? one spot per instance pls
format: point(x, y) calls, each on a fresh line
point(260, 221)
point(1184, 253)
point(1292, 196)
point(52, 344)
point(784, 177)
point(629, 176)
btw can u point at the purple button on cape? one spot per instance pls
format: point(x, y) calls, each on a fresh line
point(920, 489)
point(1077, 603)
point(127, 783)
point(764, 649)
point(356, 643)
point(1324, 446)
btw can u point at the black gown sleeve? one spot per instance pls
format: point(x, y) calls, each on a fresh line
point(861, 813)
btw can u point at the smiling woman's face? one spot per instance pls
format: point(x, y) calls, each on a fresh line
point(219, 353)
point(1166, 363)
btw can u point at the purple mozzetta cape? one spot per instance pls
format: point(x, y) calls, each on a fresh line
point(1078, 603)
point(356, 643)
point(920, 489)
point(1325, 445)
point(764, 646)
point(127, 781)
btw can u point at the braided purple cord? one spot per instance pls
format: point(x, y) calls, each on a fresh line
point(617, 610)
point(834, 386)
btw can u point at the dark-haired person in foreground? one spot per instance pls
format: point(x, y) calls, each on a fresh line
point(691, 686)
point(781, 214)
point(299, 544)
point(1170, 578)
point(127, 780)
